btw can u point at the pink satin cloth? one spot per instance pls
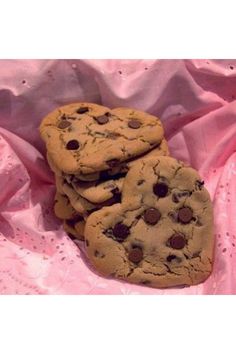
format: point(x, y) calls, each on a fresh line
point(195, 100)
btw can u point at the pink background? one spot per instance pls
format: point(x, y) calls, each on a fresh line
point(196, 101)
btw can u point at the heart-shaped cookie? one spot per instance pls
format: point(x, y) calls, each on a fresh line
point(160, 150)
point(84, 138)
point(161, 234)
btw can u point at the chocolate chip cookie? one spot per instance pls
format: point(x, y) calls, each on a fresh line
point(161, 235)
point(84, 138)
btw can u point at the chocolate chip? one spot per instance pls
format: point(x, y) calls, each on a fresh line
point(72, 145)
point(120, 232)
point(135, 255)
point(177, 241)
point(185, 215)
point(171, 257)
point(64, 124)
point(102, 119)
point(160, 189)
point(113, 163)
point(152, 216)
point(82, 110)
point(134, 124)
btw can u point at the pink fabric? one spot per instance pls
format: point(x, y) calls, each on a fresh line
point(195, 100)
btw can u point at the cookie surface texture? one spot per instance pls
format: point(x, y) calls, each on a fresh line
point(161, 150)
point(87, 138)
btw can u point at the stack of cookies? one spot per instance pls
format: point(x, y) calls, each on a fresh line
point(90, 148)
point(145, 217)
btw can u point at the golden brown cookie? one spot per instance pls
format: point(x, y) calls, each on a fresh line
point(161, 234)
point(160, 150)
point(84, 138)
